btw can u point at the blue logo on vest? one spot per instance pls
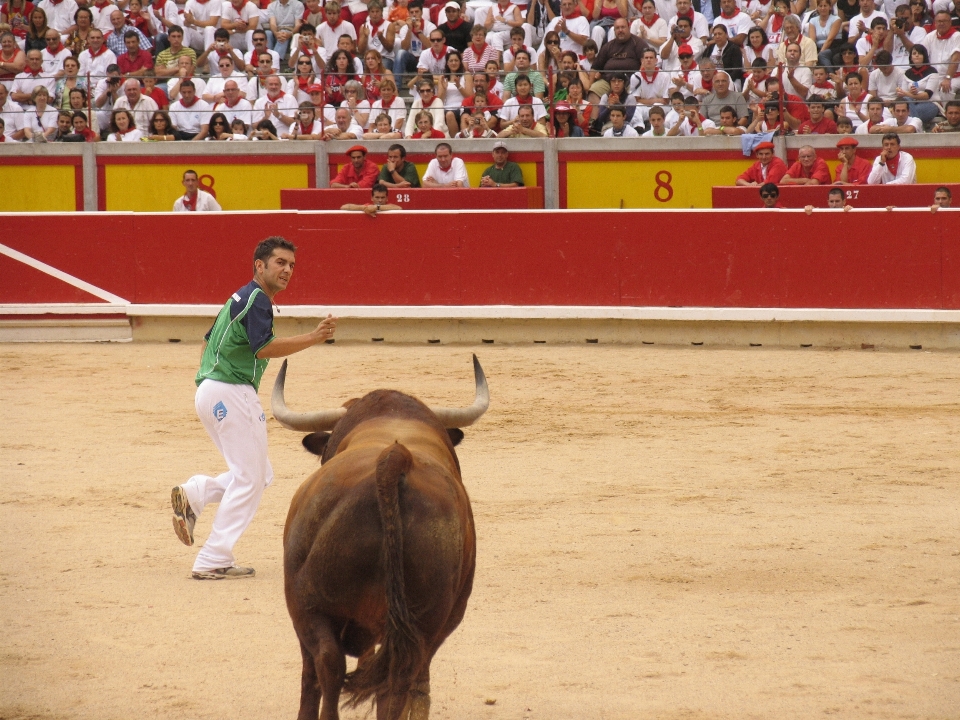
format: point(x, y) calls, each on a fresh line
point(219, 411)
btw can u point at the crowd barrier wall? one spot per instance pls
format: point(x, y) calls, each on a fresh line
point(860, 196)
point(574, 173)
point(741, 259)
point(522, 198)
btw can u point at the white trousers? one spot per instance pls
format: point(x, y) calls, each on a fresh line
point(235, 421)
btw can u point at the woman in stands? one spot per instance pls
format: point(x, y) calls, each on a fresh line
point(391, 104)
point(12, 59)
point(649, 26)
point(922, 15)
point(70, 81)
point(303, 78)
point(16, 14)
point(550, 54)
point(766, 121)
point(382, 129)
point(307, 127)
point(919, 85)
point(854, 104)
point(563, 125)
point(354, 101)
point(849, 63)
point(339, 73)
point(374, 73)
point(40, 121)
point(757, 46)
point(162, 129)
point(455, 84)
point(824, 30)
point(36, 31)
point(77, 40)
point(425, 127)
point(218, 128)
point(123, 128)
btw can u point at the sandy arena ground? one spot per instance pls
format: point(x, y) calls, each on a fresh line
point(663, 533)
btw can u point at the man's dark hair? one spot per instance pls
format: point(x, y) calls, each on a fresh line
point(522, 77)
point(944, 189)
point(401, 148)
point(221, 34)
point(952, 103)
point(835, 191)
point(308, 27)
point(131, 34)
point(190, 172)
point(618, 108)
point(882, 57)
point(814, 99)
point(686, 20)
point(676, 96)
point(175, 28)
point(891, 136)
point(266, 247)
point(728, 109)
point(258, 31)
point(379, 187)
point(770, 188)
point(657, 110)
point(442, 145)
point(758, 63)
point(187, 82)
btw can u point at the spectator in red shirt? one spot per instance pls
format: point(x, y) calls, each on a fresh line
point(134, 62)
point(852, 170)
point(807, 170)
point(767, 169)
point(151, 90)
point(818, 123)
point(359, 173)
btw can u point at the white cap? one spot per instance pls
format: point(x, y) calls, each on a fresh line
point(499, 144)
point(452, 6)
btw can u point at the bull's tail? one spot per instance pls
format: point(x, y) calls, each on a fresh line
point(393, 668)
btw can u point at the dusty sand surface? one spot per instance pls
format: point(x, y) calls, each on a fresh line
point(663, 533)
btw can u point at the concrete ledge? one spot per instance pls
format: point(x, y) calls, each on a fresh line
point(476, 331)
point(24, 331)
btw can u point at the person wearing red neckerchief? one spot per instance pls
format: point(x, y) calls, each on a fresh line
point(768, 168)
point(252, 57)
point(943, 45)
point(201, 19)
point(501, 20)
point(818, 123)
point(276, 106)
point(571, 26)
point(649, 86)
point(456, 29)
point(194, 199)
point(307, 126)
point(188, 113)
point(479, 52)
point(16, 14)
point(893, 166)
point(377, 34)
point(54, 54)
point(240, 18)
point(135, 62)
point(257, 86)
point(32, 77)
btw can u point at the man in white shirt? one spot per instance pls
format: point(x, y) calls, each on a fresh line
point(691, 123)
point(886, 80)
point(345, 127)
point(190, 113)
point(142, 106)
point(657, 121)
point(445, 170)
point(904, 34)
point(252, 57)
point(943, 46)
point(276, 106)
point(618, 124)
point(901, 122)
point(893, 166)
point(860, 24)
point(681, 36)
point(233, 105)
point(649, 86)
point(97, 57)
point(414, 39)
point(107, 92)
point(32, 77)
point(330, 31)
point(186, 69)
point(701, 28)
point(257, 86)
point(573, 31)
point(738, 23)
point(200, 20)
point(12, 115)
point(54, 53)
point(59, 14)
point(195, 199)
point(240, 18)
point(433, 60)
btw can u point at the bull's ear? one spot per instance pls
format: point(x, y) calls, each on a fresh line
point(316, 442)
point(456, 435)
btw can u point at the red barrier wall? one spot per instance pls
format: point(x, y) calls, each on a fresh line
point(707, 258)
point(524, 198)
point(859, 196)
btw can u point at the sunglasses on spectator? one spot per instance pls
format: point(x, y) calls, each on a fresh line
point(226, 65)
point(553, 42)
point(425, 90)
point(303, 62)
point(219, 122)
point(686, 55)
point(769, 195)
point(436, 39)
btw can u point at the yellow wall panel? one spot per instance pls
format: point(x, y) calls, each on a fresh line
point(649, 183)
point(154, 188)
point(38, 188)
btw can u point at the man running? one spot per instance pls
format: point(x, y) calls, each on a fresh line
point(235, 354)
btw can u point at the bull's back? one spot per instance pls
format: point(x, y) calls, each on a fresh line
point(334, 534)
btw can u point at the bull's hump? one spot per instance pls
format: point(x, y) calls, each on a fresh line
point(420, 438)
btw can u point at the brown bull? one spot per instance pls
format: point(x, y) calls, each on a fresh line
point(379, 548)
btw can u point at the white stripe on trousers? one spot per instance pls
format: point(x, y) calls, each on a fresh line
point(241, 437)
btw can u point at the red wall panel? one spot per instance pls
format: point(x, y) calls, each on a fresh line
point(700, 258)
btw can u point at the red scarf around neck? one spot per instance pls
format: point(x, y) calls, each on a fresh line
point(190, 104)
point(730, 17)
point(98, 53)
point(706, 84)
point(456, 24)
point(191, 203)
point(950, 33)
point(652, 21)
point(894, 165)
point(35, 73)
point(651, 78)
point(442, 53)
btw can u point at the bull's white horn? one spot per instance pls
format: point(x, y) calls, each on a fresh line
point(302, 422)
point(462, 417)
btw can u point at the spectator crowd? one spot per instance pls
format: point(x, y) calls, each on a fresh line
point(239, 70)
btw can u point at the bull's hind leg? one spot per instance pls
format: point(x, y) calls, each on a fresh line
point(324, 667)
